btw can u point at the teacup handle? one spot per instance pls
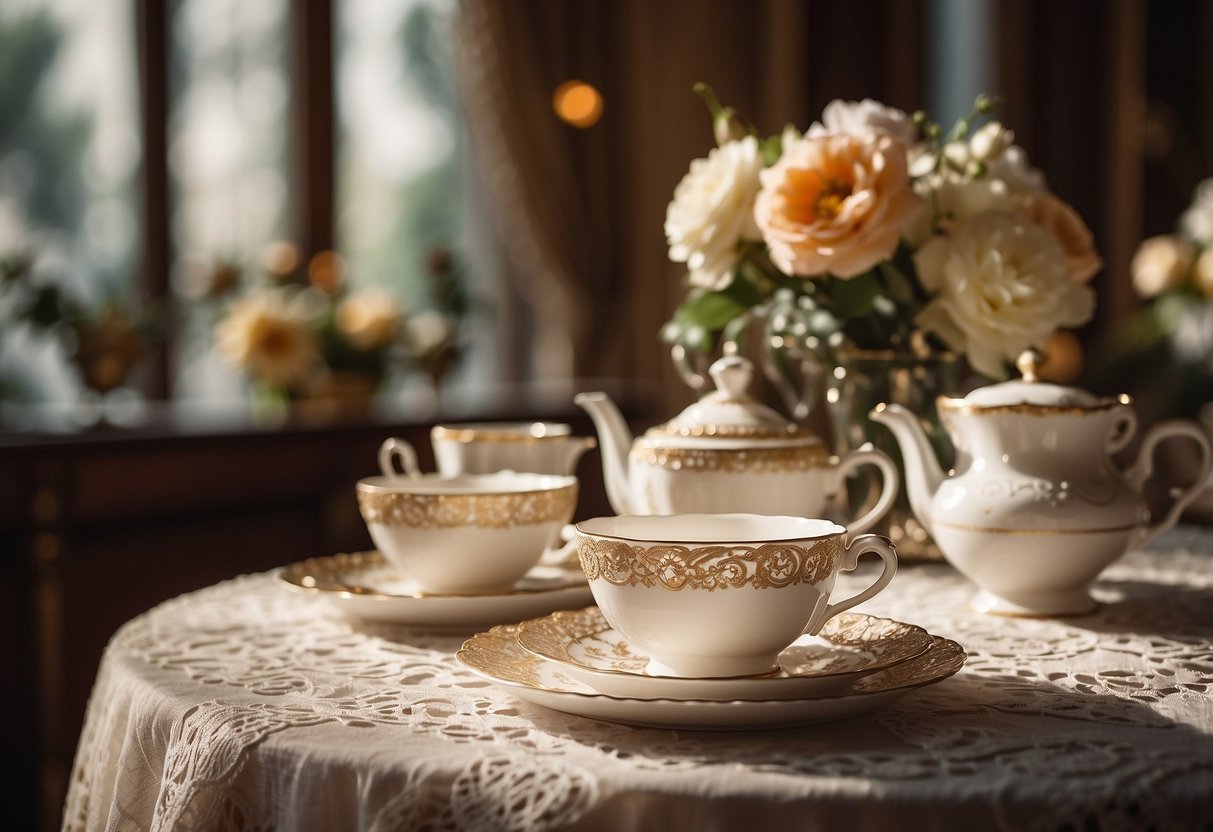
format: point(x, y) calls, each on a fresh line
point(393, 448)
point(1144, 467)
point(851, 554)
point(888, 485)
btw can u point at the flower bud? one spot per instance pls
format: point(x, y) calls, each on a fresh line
point(1161, 263)
point(991, 141)
point(729, 127)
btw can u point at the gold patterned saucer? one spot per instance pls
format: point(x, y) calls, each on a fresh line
point(849, 647)
point(364, 585)
point(498, 657)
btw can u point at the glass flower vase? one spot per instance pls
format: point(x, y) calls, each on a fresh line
point(862, 379)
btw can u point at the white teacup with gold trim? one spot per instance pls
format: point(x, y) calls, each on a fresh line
point(474, 533)
point(714, 595)
point(485, 447)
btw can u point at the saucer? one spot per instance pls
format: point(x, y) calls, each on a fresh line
point(364, 585)
point(498, 657)
point(849, 647)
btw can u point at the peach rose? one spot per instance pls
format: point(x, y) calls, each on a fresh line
point(835, 204)
point(1067, 227)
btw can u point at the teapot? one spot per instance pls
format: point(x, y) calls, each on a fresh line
point(727, 453)
point(1037, 507)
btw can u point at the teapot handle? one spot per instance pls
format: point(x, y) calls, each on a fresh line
point(888, 485)
point(1144, 467)
point(1126, 428)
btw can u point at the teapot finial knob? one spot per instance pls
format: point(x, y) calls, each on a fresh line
point(732, 375)
point(1028, 364)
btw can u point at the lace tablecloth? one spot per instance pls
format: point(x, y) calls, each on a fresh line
point(243, 706)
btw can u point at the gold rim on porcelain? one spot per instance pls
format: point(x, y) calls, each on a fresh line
point(489, 511)
point(796, 458)
point(465, 435)
point(676, 567)
point(951, 405)
point(328, 575)
point(889, 642)
point(497, 655)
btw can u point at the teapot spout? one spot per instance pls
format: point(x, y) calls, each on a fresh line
point(615, 439)
point(923, 476)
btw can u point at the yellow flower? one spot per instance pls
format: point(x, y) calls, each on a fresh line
point(835, 204)
point(369, 319)
point(269, 335)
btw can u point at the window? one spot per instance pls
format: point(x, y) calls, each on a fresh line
point(236, 115)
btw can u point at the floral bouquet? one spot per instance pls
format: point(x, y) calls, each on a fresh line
point(876, 230)
point(1168, 345)
point(318, 339)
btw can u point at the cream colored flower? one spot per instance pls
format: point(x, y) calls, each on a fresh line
point(862, 119)
point(1197, 222)
point(269, 335)
point(951, 196)
point(1067, 227)
point(427, 332)
point(1202, 273)
point(990, 141)
point(713, 210)
point(1161, 263)
point(835, 204)
point(1000, 285)
point(370, 318)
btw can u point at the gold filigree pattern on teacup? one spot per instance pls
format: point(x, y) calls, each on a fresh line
point(787, 458)
point(491, 511)
point(676, 567)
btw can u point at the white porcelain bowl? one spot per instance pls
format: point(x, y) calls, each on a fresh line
point(714, 595)
point(466, 534)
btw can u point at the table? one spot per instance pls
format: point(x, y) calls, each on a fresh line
point(243, 706)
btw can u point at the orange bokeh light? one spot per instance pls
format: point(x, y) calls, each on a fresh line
point(577, 103)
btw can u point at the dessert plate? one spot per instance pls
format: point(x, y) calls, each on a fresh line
point(849, 647)
point(498, 657)
point(364, 585)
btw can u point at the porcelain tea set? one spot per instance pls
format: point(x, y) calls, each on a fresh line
point(713, 583)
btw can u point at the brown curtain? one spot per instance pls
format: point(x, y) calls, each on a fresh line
point(580, 211)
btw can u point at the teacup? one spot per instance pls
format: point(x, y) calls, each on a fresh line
point(481, 448)
point(712, 595)
point(469, 534)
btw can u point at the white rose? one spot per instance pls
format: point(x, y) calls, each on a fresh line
point(713, 210)
point(862, 118)
point(1000, 285)
point(369, 318)
point(1160, 263)
point(1197, 222)
point(990, 141)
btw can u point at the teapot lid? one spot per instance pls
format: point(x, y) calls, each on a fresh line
point(1030, 393)
point(730, 412)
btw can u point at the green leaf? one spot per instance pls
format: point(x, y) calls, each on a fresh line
point(899, 287)
point(853, 298)
point(711, 310)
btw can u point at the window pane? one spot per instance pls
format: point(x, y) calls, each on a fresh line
point(69, 161)
point(228, 156)
point(400, 189)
